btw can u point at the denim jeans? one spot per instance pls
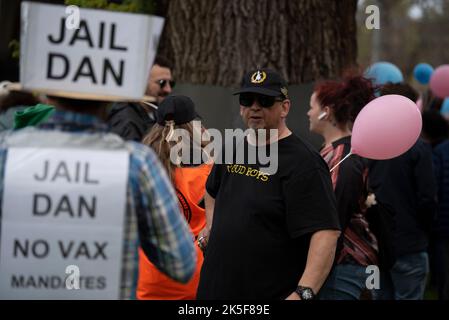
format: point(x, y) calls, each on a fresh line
point(345, 282)
point(406, 280)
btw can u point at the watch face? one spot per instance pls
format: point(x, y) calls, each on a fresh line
point(307, 294)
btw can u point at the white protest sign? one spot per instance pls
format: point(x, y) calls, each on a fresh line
point(108, 55)
point(61, 208)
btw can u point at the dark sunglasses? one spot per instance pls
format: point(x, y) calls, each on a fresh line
point(164, 82)
point(248, 99)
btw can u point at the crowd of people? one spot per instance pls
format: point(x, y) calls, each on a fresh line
point(216, 231)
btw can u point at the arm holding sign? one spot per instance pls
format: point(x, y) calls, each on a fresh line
point(164, 234)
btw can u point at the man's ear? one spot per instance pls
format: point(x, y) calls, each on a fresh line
point(285, 108)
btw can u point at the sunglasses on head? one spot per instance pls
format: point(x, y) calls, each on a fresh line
point(164, 82)
point(248, 99)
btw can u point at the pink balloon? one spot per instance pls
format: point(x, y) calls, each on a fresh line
point(419, 104)
point(439, 83)
point(386, 128)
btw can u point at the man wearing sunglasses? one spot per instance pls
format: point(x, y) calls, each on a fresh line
point(132, 121)
point(160, 83)
point(272, 236)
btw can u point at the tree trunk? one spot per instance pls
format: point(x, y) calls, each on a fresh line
point(215, 41)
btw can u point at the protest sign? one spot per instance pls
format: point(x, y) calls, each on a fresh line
point(61, 208)
point(108, 55)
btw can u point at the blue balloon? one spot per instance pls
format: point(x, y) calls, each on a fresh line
point(384, 72)
point(445, 107)
point(423, 72)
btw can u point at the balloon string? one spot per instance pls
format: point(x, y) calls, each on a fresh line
point(349, 154)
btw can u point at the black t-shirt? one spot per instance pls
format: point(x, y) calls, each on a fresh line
point(262, 223)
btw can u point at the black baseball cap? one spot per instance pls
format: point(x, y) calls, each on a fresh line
point(180, 109)
point(264, 81)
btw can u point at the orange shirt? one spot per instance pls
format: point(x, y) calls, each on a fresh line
point(190, 184)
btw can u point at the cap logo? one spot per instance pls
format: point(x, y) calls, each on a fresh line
point(258, 77)
point(284, 92)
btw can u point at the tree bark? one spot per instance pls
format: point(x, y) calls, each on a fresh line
point(215, 41)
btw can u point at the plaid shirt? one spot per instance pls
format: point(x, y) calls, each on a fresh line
point(163, 232)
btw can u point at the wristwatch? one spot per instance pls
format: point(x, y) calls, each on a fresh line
point(305, 293)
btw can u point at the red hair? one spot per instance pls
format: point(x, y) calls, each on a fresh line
point(345, 97)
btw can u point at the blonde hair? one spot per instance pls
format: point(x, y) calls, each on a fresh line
point(160, 139)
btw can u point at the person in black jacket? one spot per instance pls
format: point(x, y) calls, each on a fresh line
point(407, 185)
point(132, 121)
point(441, 225)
